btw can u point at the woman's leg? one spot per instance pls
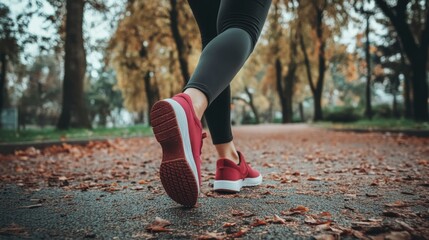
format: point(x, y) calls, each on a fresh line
point(206, 14)
point(239, 23)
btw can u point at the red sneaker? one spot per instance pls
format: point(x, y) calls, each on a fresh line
point(231, 177)
point(179, 132)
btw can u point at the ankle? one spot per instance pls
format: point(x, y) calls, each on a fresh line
point(199, 101)
point(233, 156)
point(228, 151)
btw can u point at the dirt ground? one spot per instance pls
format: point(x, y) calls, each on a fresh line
point(318, 184)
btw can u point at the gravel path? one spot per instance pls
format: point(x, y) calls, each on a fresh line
point(317, 184)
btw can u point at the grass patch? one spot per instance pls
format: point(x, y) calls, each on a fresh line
point(378, 124)
point(51, 134)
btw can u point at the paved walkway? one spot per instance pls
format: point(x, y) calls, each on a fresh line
point(318, 183)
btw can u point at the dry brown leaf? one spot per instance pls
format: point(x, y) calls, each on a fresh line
point(323, 226)
point(143, 181)
point(297, 210)
point(211, 236)
point(404, 235)
point(240, 233)
point(12, 229)
point(398, 204)
point(277, 219)
point(325, 214)
point(258, 222)
point(158, 225)
point(312, 178)
point(312, 220)
point(32, 206)
point(391, 214)
point(229, 224)
point(324, 236)
point(243, 214)
point(423, 162)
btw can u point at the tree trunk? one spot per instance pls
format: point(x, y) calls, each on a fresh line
point(416, 51)
point(288, 117)
point(301, 111)
point(368, 106)
point(3, 94)
point(420, 91)
point(74, 112)
point(318, 115)
point(280, 92)
point(152, 93)
point(316, 89)
point(407, 89)
point(288, 92)
point(395, 106)
point(140, 117)
point(180, 45)
point(252, 105)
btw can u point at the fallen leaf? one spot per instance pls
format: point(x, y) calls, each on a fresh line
point(405, 226)
point(142, 235)
point(137, 188)
point(323, 226)
point(297, 210)
point(159, 225)
point(243, 214)
point(391, 214)
point(423, 162)
point(143, 181)
point(371, 195)
point(398, 236)
point(277, 219)
point(258, 222)
point(396, 204)
point(325, 214)
point(240, 233)
point(12, 229)
point(269, 165)
point(313, 178)
point(310, 219)
point(324, 236)
point(32, 206)
point(228, 224)
point(211, 236)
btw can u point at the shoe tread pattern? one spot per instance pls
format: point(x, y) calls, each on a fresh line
point(175, 173)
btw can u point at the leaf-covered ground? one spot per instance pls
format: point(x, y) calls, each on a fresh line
point(317, 184)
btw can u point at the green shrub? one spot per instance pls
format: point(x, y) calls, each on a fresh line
point(382, 111)
point(341, 114)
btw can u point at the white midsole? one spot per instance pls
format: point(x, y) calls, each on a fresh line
point(184, 134)
point(236, 185)
point(248, 182)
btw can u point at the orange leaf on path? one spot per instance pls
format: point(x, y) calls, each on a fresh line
point(297, 210)
point(258, 222)
point(398, 203)
point(159, 225)
point(229, 224)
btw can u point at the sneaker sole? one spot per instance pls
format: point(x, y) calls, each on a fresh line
point(178, 171)
point(235, 186)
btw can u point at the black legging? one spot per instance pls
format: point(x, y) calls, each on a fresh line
point(229, 31)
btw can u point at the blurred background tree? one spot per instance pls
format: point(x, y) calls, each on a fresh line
point(104, 63)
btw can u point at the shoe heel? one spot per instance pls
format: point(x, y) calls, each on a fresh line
point(176, 175)
point(179, 182)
